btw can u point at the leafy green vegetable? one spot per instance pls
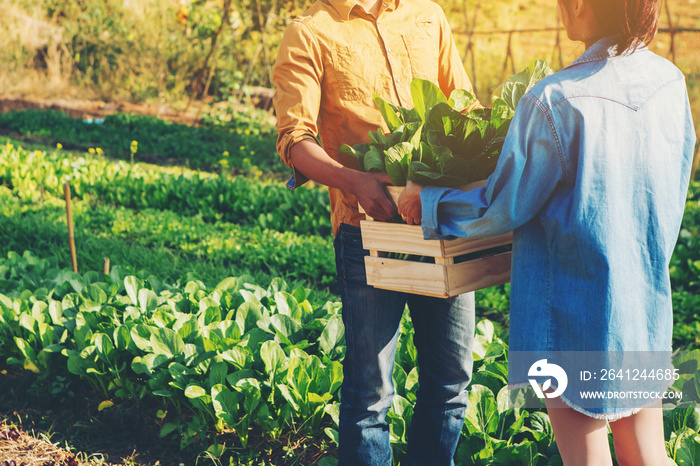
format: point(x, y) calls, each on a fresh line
point(441, 141)
point(517, 85)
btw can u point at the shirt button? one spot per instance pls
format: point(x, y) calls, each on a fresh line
point(398, 80)
point(388, 49)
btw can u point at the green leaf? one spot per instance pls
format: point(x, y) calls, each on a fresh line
point(503, 402)
point(333, 435)
point(494, 350)
point(46, 334)
point(399, 377)
point(217, 373)
point(132, 285)
point(462, 99)
point(397, 158)
point(687, 448)
point(194, 391)
point(273, 357)
point(56, 312)
point(374, 161)
point(286, 328)
point(141, 337)
point(378, 138)
point(334, 371)
point(179, 374)
point(225, 403)
point(358, 151)
point(333, 410)
point(332, 334)
point(415, 139)
point(425, 95)
point(389, 113)
point(486, 329)
point(501, 116)
point(438, 115)
point(539, 422)
point(168, 428)
point(238, 356)
point(290, 395)
point(75, 366)
point(28, 322)
point(26, 349)
point(482, 411)
point(95, 294)
point(149, 362)
point(521, 453)
point(419, 173)
point(104, 346)
point(229, 284)
point(32, 364)
point(517, 85)
point(682, 416)
point(167, 342)
point(286, 304)
point(251, 390)
point(248, 315)
point(490, 380)
point(104, 405)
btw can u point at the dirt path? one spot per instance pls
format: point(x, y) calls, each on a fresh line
point(259, 97)
point(77, 108)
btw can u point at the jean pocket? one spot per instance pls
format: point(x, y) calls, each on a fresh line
point(349, 254)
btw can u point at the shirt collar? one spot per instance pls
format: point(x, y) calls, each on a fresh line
point(601, 50)
point(344, 7)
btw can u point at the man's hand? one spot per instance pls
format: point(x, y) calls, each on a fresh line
point(368, 188)
point(370, 193)
point(409, 203)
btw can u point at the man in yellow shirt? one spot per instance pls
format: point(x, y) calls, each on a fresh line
point(331, 61)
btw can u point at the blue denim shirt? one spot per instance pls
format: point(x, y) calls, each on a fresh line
point(592, 181)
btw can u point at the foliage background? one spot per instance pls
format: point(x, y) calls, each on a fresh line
point(169, 51)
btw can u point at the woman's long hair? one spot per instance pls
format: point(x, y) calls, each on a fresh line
point(634, 22)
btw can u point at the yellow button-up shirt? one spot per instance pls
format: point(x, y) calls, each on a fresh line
point(335, 56)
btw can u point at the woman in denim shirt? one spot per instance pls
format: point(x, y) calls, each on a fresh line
point(592, 181)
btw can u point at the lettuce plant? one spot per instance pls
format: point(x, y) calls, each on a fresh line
point(444, 141)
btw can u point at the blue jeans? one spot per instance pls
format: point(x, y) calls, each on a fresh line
point(444, 332)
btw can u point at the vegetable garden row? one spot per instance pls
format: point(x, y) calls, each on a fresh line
point(220, 310)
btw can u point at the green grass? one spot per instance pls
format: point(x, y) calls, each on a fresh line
point(247, 142)
point(166, 244)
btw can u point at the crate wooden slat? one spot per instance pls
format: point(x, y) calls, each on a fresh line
point(444, 278)
point(402, 238)
point(439, 280)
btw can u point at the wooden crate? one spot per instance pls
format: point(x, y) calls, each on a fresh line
point(461, 265)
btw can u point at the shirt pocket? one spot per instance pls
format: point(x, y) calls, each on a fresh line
point(353, 72)
point(423, 47)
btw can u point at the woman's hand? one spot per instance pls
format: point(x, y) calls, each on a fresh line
point(409, 203)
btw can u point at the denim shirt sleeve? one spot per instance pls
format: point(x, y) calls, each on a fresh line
point(529, 168)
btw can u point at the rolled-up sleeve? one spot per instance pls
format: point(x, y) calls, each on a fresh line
point(529, 169)
point(297, 76)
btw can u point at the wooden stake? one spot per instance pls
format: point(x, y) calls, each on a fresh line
point(106, 266)
point(71, 241)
